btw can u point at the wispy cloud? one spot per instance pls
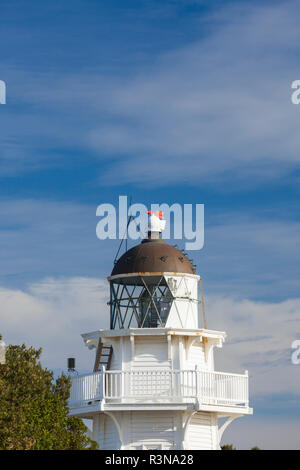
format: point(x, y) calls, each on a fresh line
point(251, 257)
point(218, 108)
point(243, 256)
point(53, 312)
point(260, 338)
point(56, 310)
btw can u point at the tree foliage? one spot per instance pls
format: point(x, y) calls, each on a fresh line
point(228, 447)
point(33, 407)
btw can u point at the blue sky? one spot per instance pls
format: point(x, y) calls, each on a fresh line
point(175, 101)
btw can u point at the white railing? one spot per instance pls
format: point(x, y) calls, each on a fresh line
point(209, 387)
point(86, 388)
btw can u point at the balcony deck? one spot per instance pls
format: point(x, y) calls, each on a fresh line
point(185, 388)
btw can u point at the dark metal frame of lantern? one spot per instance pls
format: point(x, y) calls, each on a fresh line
point(141, 301)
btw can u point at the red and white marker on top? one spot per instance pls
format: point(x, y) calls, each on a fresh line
point(156, 222)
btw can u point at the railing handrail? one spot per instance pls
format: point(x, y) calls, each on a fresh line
point(79, 376)
point(165, 371)
point(208, 386)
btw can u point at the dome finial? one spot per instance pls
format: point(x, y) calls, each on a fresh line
point(156, 224)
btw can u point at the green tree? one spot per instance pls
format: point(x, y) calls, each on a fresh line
point(228, 447)
point(33, 407)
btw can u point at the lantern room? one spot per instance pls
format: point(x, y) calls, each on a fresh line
point(153, 285)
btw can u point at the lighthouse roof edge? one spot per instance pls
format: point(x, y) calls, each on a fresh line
point(91, 338)
point(161, 273)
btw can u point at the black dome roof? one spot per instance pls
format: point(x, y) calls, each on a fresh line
point(153, 255)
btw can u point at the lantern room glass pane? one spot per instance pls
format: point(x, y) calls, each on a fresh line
point(141, 304)
point(154, 307)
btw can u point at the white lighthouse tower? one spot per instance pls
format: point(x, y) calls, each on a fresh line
point(154, 385)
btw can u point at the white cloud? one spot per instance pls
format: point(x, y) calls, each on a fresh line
point(39, 237)
point(52, 314)
point(218, 108)
point(221, 105)
point(260, 335)
point(251, 257)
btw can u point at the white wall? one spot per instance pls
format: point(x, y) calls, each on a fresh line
point(105, 432)
point(153, 429)
point(156, 430)
point(196, 357)
point(202, 432)
point(151, 352)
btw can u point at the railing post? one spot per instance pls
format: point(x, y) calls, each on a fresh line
point(122, 386)
point(103, 381)
point(247, 388)
point(197, 385)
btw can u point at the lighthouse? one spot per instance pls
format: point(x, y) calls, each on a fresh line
point(154, 384)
